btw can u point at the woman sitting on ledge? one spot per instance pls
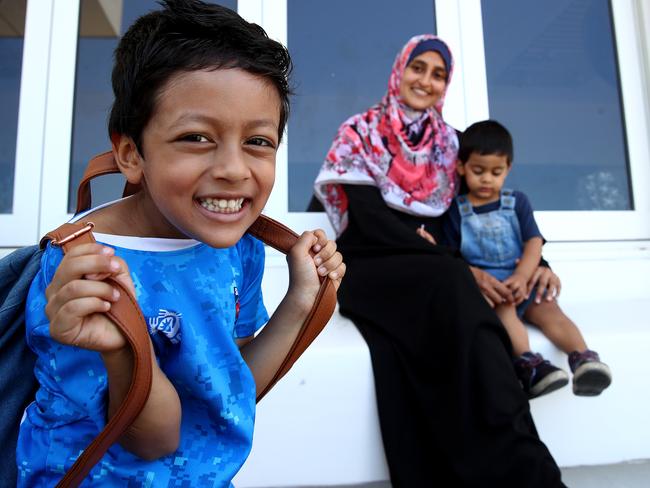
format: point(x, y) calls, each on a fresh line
point(451, 410)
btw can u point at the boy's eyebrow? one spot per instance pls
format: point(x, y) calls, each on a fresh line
point(273, 124)
point(194, 117)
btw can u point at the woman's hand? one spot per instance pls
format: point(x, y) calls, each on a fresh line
point(312, 256)
point(492, 289)
point(77, 298)
point(547, 282)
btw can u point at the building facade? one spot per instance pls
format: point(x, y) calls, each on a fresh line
point(569, 78)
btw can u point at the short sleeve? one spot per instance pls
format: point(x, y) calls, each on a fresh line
point(252, 313)
point(527, 223)
point(451, 226)
point(67, 392)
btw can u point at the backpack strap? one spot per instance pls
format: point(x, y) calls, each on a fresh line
point(102, 164)
point(127, 316)
point(282, 238)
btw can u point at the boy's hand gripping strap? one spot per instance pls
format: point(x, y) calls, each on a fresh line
point(283, 239)
point(127, 316)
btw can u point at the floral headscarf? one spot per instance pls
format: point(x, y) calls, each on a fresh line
point(412, 162)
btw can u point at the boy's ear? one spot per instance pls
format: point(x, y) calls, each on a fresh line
point(127, 157)
point(460, 167)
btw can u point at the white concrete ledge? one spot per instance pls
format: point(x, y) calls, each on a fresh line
point(319, 425)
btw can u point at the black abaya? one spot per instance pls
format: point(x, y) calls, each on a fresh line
point(451, 410)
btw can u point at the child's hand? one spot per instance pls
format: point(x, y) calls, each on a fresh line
point(425, 235)
point(518, 286)
point(304, 269)
point(77, 298)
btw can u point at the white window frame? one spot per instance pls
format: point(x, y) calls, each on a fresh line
point(460, 23)
point(59, 115)
point(20, 228)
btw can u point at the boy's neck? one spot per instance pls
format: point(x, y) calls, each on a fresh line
point(129, 217)
point(478, 201)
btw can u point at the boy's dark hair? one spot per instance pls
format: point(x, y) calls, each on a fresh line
point(485, 137)
point(188, 35)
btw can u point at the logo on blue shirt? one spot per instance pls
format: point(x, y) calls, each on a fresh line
point(169, 323)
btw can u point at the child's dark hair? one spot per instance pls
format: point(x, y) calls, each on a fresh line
point(188, 35)
point(485, 137)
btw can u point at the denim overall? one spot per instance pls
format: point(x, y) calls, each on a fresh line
point(492, 240)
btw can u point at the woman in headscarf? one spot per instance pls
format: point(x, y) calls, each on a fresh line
point(451, 410)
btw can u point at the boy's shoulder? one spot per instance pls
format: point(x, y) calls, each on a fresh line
point(17, 271)
point(452, 211)
point(514, 193)
point(251, 249)
point(521, 199)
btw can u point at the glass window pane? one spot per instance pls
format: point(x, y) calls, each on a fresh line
point(12, 31)
point(553, 81)
point(342, 52)
point(100, 26)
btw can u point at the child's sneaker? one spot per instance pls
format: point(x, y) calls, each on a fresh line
point(590, 375)
point(538, 376)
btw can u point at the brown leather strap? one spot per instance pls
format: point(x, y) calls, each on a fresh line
point(128, 317)
point(283, 239)
point(102, 164)
point(126, 314)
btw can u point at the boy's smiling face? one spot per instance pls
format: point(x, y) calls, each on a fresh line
point(209, 156)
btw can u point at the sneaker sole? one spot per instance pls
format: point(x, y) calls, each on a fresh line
point(550, 383)
point(591, 379)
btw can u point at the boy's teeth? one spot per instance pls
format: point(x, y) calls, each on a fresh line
point(222, 205)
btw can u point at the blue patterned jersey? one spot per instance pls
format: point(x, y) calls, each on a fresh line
point(196, 300)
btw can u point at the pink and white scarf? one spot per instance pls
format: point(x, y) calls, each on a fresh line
point(375, 148)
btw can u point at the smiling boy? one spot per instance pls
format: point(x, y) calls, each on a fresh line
point(201, 101)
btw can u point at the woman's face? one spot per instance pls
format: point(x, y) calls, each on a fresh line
point(424, 81)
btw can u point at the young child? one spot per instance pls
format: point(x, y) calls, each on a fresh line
point(495, 230)
point(201, 101)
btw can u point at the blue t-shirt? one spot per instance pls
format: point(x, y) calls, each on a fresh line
point(196, 300)
point(523, 210)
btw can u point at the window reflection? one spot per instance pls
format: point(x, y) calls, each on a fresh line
point(553, 81)
point(12, 31)
point(342, 52)
point(100, 26)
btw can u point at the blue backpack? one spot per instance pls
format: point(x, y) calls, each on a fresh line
point(17, 381)
point(18, 384)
